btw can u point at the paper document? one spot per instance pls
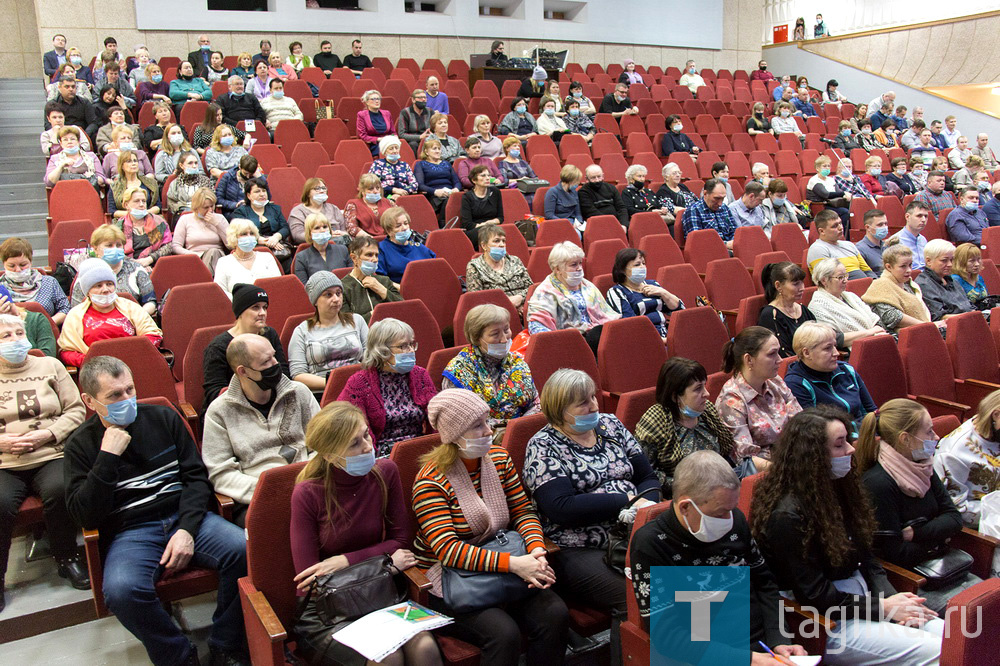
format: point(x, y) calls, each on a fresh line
point(380, 633)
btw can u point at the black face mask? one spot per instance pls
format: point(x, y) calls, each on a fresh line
point(269, 378)
point(184, 77)
point(763, 68)
point(420, 105)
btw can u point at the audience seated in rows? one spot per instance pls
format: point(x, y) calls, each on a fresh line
point(108, 243)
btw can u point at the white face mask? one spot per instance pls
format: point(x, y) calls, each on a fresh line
point(470, 449)
point(498, 350)
point(103, 300)
point(841, 466)
point(712, 529)
point(574, 278)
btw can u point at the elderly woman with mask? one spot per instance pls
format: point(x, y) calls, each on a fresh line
point(396, 175)
point(108, 242)
point(566, 300)
point(322, 254)
point(495, 268)
point(373, 122)
point(488, 368)
point(73, 163)
point(391, 389)
point(25, 283)
point(834, 304)
point(316, 201)
point(31, 447)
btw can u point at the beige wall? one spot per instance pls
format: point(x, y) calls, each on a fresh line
point(953, 52)
point(19, 54)
point(87, 22)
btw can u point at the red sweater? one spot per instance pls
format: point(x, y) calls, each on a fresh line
point(361, 530)
point(103, 326)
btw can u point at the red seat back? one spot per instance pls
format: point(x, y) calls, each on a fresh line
point(699, 334)
point(880, 366)
point(748, 242)
point(517, 435)
point(434, 282)
point(178, 269)
point(548, 352)
point(703, 246)
point(439, 360)
point(453, 246)
point(309, 156)
point(622, 341)
point(970, 346)
point(149, 369)
point(728, 282)
point(187, 308)
point(286, 297)
point(194, 363)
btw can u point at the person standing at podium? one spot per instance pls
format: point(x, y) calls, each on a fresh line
point(497, 57)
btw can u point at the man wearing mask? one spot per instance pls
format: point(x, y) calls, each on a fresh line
point(705, 526)
point(326, 59)
point(257, 389)
point(617, 103)
point(965, 224)
point(691, 78)
point(600, 198)
point(819, 30)
point(414, 120)
point(786, 82)
point(277, 106)
point(236, 105)
point(200, 59)
point(497, 57)
point(871, 246)
point(134, 473)
point(761, 73)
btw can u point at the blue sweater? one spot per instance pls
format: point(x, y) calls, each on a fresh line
point(841, 388)
point(392, 258)
point(560, 204)
point(432, 177)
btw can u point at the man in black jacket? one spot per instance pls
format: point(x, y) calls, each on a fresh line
point(134, 473)
point(600, 198)
point(357, 62)
point(236, 105)
point(704, 527)
point(76, 110)
point(199, 59)
point(414, 120)
point(326, 59)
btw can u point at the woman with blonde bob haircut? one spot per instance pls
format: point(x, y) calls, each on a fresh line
point(966, 274)
point(323, 254)
point(467, 491)
point(244, 264)
point(347, 507)
point(968, 459)
point(202, 231)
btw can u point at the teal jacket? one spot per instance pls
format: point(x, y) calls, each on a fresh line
point(179, 90)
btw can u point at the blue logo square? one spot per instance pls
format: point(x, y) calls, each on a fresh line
point(700, 616)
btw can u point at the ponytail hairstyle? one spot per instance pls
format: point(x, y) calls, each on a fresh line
point(330, 433)
point(885, 424)
point(783, 271)
point(748, 341)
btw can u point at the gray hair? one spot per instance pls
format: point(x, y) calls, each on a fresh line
point(95, 368)
point(936, 247)
point(759, 166)
point(381, 335)
point(234, 78)
point(564, 388)
point(11, 320)
point(824, 270)
point(667, 168)
point(635, 170)
point(561, 253)
point(701, 473)
point(369, 93)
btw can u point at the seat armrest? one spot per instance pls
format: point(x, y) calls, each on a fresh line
point(265, 634)
point(939, 407)
point(980, 546)
point(550, 546)
point(972, 391)
point(92, 551)
point(420, 587)
point(225, 505)
point(902, 579)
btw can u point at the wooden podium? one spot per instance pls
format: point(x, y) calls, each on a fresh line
point(497, 75)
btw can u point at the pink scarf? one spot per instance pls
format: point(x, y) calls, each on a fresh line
point(913, 478)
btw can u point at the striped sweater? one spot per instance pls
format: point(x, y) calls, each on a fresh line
point(442, 531)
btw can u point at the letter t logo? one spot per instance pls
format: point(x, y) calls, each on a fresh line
point(701, 606)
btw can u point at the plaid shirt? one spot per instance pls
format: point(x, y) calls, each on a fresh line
point(854, 187)
point(936, 202)
point(699, 216)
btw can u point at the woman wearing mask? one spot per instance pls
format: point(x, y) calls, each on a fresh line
point(396, 175)
point(322, 254)
point(267, 217)
point(900, 177)
point(578, 122)
point(519, 123)
point(815, 526)
point(583, 469)
point(391, 390)
point(758, 123)
point(244, 265)
point(202, 231)
point(872, 178)
point(675, 141)
point(190, 178)
point(634, 295)
point(315, 201)
point(488, 368)
point(73, 163)
point(363, 289)
point(549, 124)
point(755, 402)
point(108, 242)
point(399, 246)
point(28, 284)
point(720, 171)
point(512, 167)
point(640, 199)
point(776, 206)
point(123, 139)
point(576, 92)
point(845, 140)
point(362, 214)
point(223, 154)
point(348, 507)
point(147, 235)
point(495, 268)
point(799, 33)
point(101, 315)
point(174, 145)
point(448, 498)
point(155, 89)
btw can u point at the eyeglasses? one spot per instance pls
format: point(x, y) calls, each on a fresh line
point(319, 188)
point(407, 347)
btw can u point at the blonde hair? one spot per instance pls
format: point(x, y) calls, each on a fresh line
point(202, 195)
point(239, 59)
point(169, 148)
point(106, 233)
point(893, 254)
point(366, 182)
point(570, 174)
point(368, 93)
point(123, 157)
point(425, 149)
point(131, 192)
point(330, 433)
point(69, 129)
point(565, 388)
point(810, 334)
point(936, 247)
point(478, 121)
point(896, 416)
point(824, 270)
point(984, 417)
point(391, 216)
point(120, 131)
point(237, 227)
point(311, 221)
point(482, 317)
point(217, 135)
point(822, 159)
point(963, 254)
point(873, 160)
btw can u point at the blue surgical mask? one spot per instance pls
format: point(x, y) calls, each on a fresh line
point(574, 112)
point(392, 157)
point(971, 206)
point(320, 198)
point(722, 179)
point(983, 185)
point(550, 112)
point(586, 422)
point(845, 132)
point(113, 255)
point(691, 70)
point(403, 236)
point(373, 197)
point(227, 140)
point(577, 94)
point(520, 108)
point(278, 94)
point(845, 173)
point(824, 172)
point(499, 349)
point(122, 413)
point(138, 213)
point(369, 267)
point(515, 152)
point(76, 60)
point(156, 78)
point(322, 237)
point(639, 274)
point(192, 171)
point(778, 202)
point(236, 95)
point(15, 352)
point(689, 413)
point(73, 150)
point(405, 362)
point(246, 243)
point(205, 47)
point(920, 455)
point(360, 464)
point(126, 145)
point(874, 171)
point(840, 465)
point(497, 253)
point(881, 232)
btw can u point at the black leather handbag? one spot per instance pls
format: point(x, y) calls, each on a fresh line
point(619, 536)
point(946, 569)
point(356, 590)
